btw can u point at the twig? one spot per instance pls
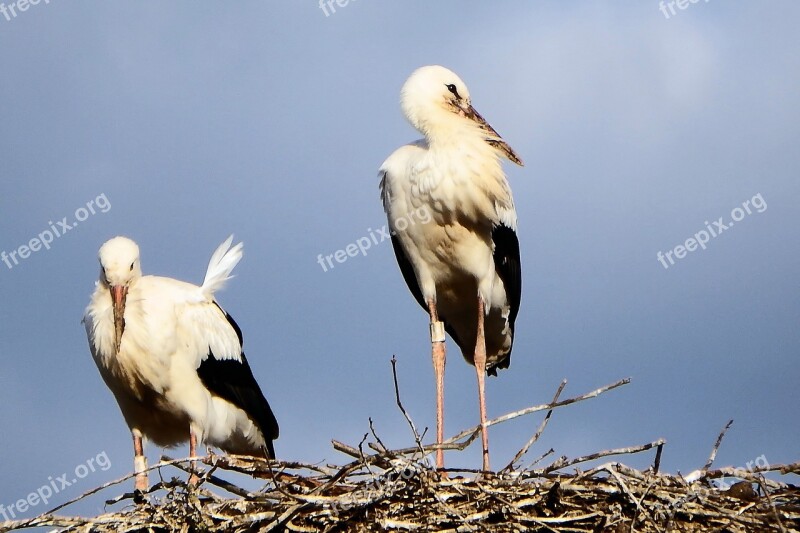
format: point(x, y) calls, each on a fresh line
point(657, 460)
point(558, 465)
point(716, 447)
point(539, 459)
point(221, 483)
point(538, 433)
point(637, 503)
point(383, 448)
point(417, 437)
point(534, 409)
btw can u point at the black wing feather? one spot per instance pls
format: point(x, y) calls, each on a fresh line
point(507, 266)
point(413, 285)
point(233, 381)
point(408, 272)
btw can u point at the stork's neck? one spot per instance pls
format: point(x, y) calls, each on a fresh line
point(446, 127)
point(465, 172)
point(466, 146)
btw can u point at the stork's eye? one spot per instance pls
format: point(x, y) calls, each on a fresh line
point(132, 266)
point(452, 89)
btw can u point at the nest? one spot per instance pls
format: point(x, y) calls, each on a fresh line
point(398, 490)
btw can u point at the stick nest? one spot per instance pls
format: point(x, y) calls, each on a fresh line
point(398, 490)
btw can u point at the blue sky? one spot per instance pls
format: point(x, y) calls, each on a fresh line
point(269, 119)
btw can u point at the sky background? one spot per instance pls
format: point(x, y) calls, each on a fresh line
point(269, 120)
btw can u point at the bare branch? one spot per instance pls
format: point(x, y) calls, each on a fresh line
point(716, 446)
point(538, 433)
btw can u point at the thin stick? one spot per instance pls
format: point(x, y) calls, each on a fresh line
point(657, 460)
point(538, 433)
point(383, 448)
point(472, 433)
point(632, 498)
point(539, 459)
point(534, 409)
point(775, 514)
point(417, 438)
point(221, 483)
point(716, 447)
point(558, 465)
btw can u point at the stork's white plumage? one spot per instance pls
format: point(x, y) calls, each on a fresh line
point(173, 358)
point(463, 265)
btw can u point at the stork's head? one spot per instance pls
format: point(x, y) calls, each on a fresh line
point(437, 103)
point(119, 268)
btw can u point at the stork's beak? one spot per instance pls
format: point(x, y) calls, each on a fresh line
point(118, 296)
point(469, 112)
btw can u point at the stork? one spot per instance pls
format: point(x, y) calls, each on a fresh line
point(173, 358)
point(463, 264)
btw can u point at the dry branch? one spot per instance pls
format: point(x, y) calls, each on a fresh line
point(398, 490)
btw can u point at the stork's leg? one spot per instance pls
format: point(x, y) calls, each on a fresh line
point(139, 463)
point(193, 479)
point(438, 354)
point(480, 368)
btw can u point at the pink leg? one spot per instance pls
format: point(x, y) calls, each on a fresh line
point(139, 464)
point(439, 356)
point(480, 368)
point(193, 479)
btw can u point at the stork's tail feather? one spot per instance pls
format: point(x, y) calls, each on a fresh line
point(221, 265)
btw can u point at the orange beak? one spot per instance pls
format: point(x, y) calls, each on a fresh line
point(118, 296)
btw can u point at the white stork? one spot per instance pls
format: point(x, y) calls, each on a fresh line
point(173, 358)
point(463, 265)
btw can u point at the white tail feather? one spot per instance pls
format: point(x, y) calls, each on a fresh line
point(222, 263)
